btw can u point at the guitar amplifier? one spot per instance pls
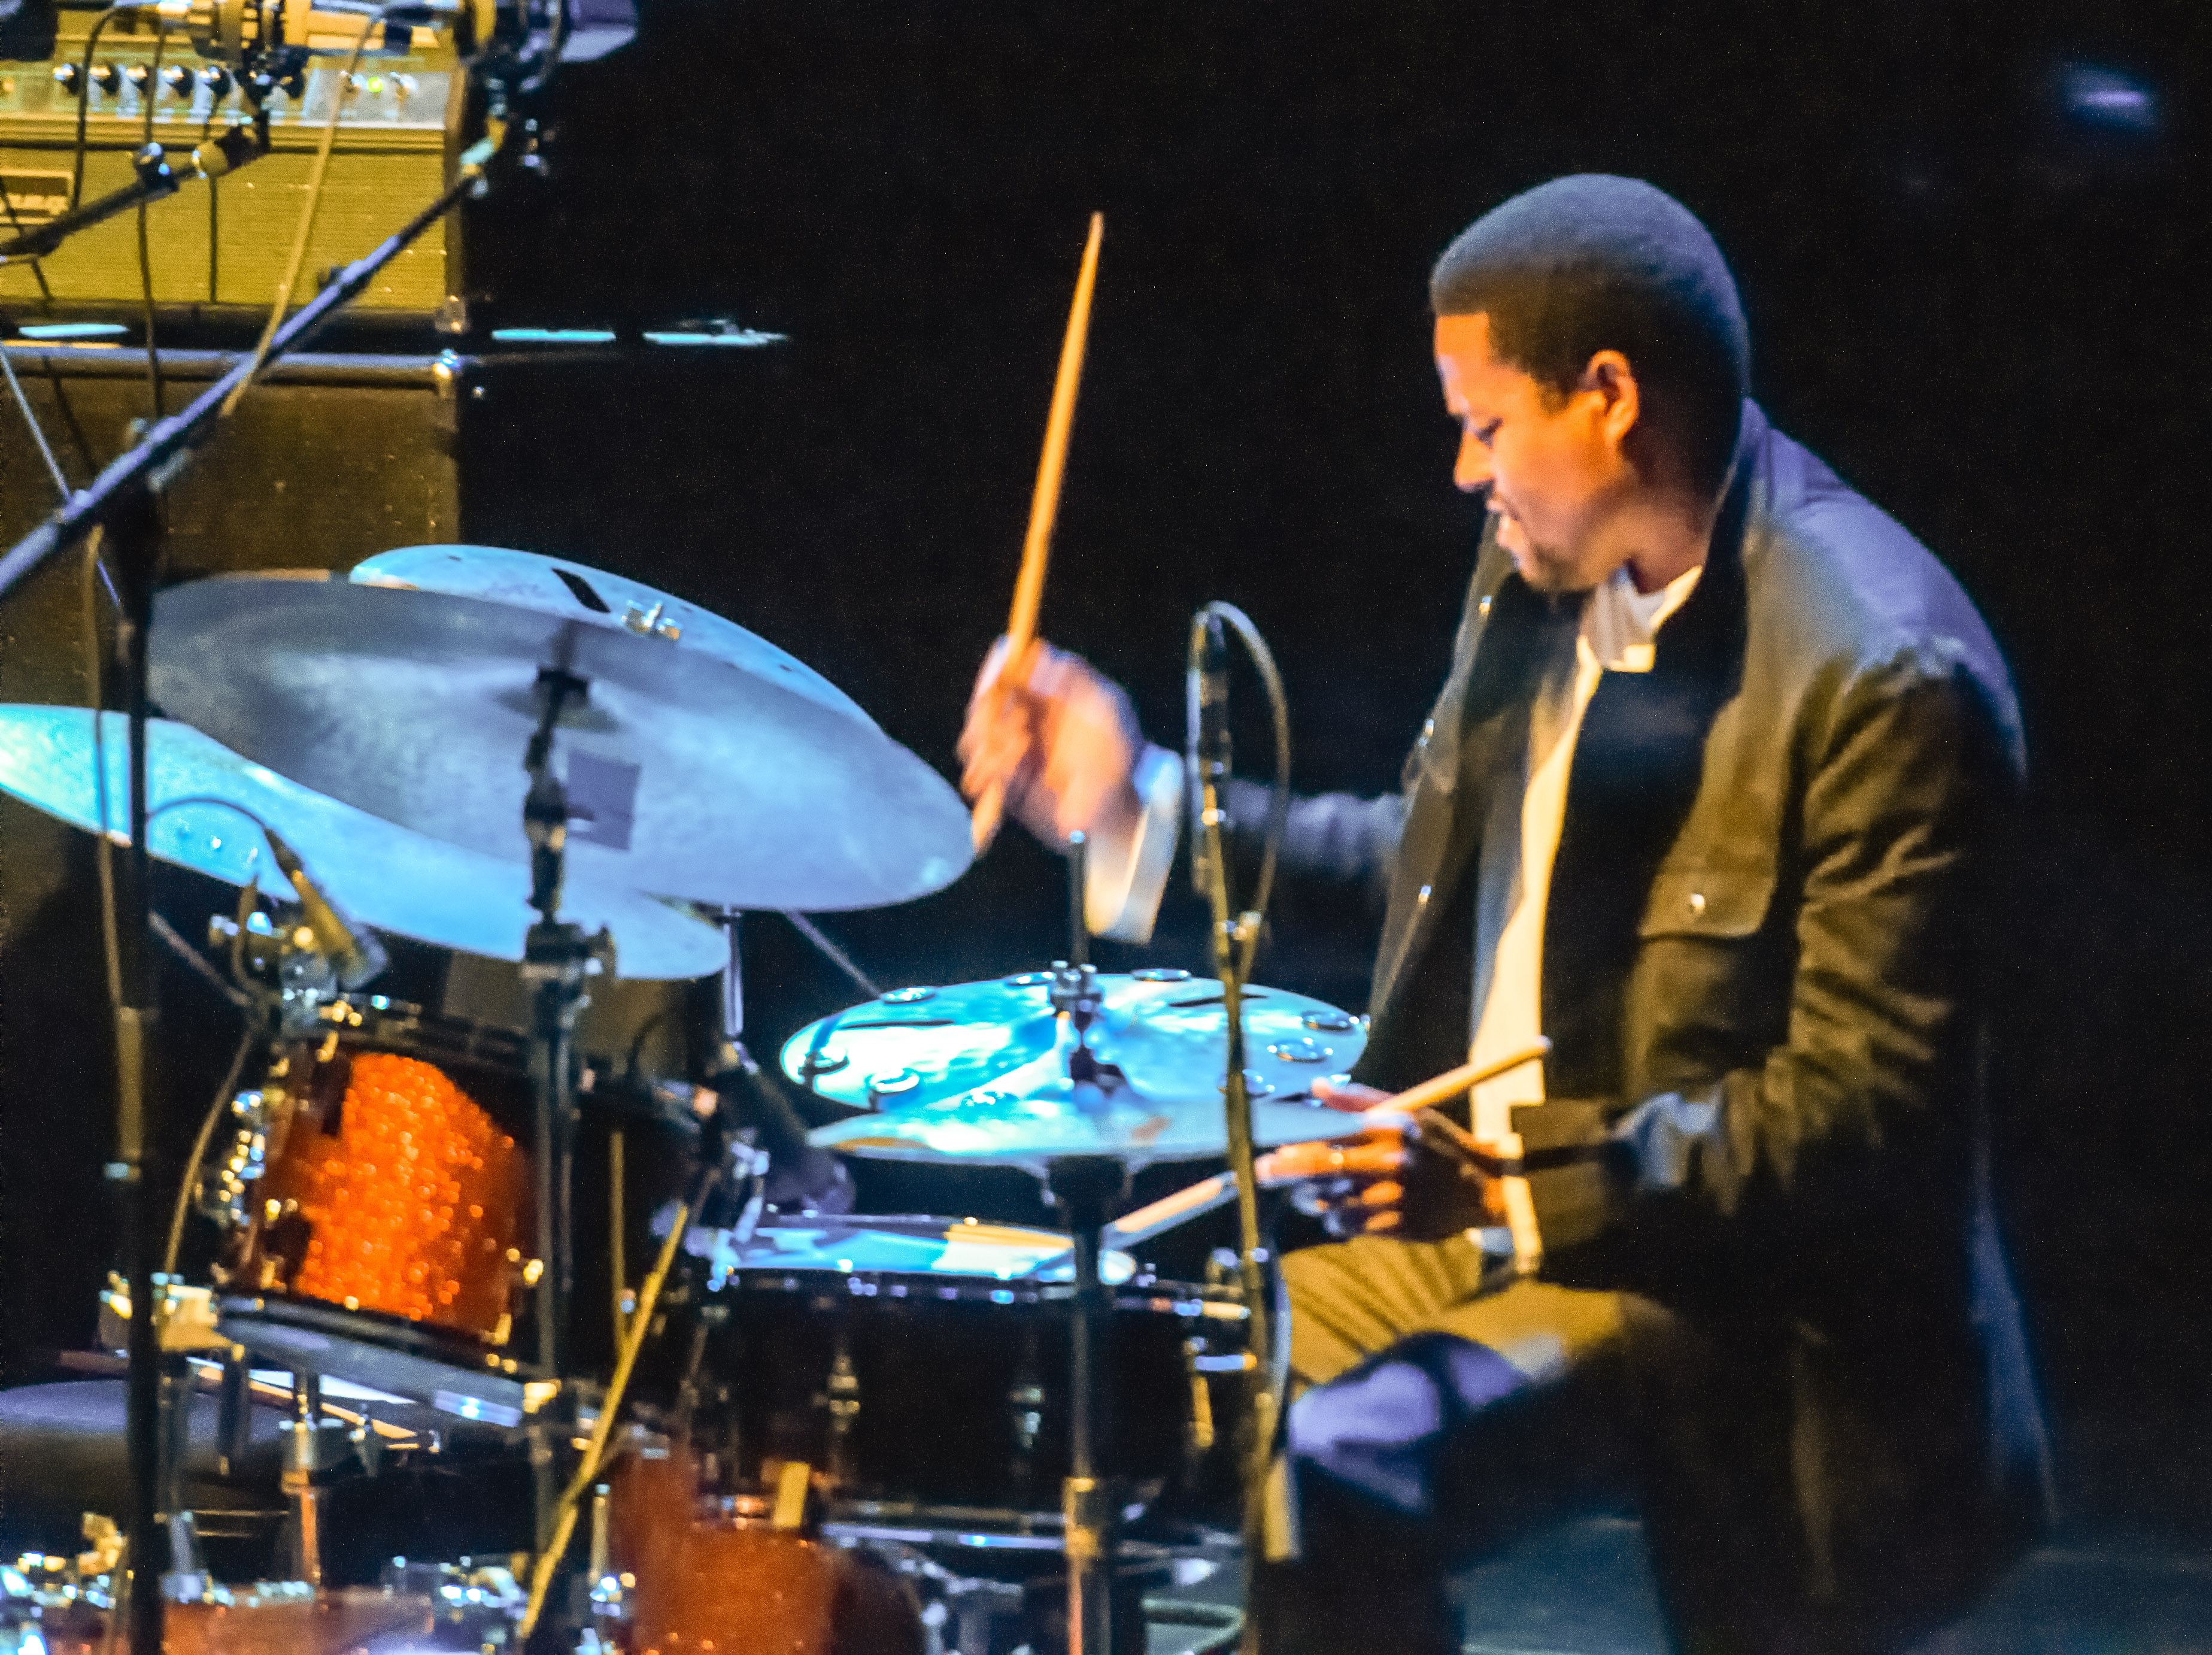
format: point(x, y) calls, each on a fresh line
point(225, 240)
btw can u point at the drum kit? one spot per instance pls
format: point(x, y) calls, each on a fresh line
point(817, 1431)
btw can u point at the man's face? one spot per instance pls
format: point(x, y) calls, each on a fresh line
point(1556, 474)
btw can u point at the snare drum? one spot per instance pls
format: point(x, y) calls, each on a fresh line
point(376, 1178)
point(922, 1364)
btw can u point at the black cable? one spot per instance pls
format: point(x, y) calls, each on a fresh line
point(1278, 802)
point(84, 104)
point(248, 1038)
point(215, 218)
point(145, 258)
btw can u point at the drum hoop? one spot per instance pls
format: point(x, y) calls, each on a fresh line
point(1189, 1300)
point(403, 1029)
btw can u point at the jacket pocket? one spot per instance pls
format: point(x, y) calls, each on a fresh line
point(1708, 901)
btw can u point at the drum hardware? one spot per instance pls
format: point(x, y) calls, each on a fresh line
point(301, 1462)
point(841, 1400)
point(1086, 1189)
point(1025, 1402)
point(186, 1580)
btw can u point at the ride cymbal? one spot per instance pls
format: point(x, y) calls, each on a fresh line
point(978, 1072)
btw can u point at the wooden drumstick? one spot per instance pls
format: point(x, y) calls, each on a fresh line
point(1452, 1082)
point(1288, 1166)
point(1044, 506)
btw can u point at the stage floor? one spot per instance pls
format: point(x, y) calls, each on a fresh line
point(1581, 1589)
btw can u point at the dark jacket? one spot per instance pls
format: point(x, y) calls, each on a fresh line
point(1763, 965)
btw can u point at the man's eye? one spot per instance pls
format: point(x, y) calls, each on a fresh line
point(1484, 433)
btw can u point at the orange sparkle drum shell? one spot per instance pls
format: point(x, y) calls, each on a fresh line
point(701, 1580)
point(394, 1184)
point(343, 1621)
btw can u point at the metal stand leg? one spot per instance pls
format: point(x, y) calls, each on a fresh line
point(132, 550)
point(302, 1459)
point(1086, 1187)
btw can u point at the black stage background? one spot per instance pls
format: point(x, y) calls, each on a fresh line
point(1975, 274)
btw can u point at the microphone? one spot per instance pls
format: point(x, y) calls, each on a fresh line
point(354, 954)
point(800, 1177)
point(1205, 688)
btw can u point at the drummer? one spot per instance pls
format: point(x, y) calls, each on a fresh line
point(1711, 798)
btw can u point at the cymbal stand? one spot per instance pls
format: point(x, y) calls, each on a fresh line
point(1087, 1188)
point(556, 957)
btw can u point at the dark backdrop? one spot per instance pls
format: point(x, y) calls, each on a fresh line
point(1970, 239)
point(1974, 274)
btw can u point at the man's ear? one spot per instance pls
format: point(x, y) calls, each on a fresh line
point(1613, 381)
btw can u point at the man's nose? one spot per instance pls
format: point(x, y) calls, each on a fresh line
point(1472, 471)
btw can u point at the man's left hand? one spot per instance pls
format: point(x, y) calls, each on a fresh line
point(1395, 1179)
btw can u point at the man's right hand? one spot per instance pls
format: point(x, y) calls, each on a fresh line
point(1061, 739)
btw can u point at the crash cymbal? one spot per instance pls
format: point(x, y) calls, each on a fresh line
point(978, 1072)
point(688, 775)
point(385, 876)
point(556, 586)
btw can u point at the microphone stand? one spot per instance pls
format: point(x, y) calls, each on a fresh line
point(122, 505)
point(1235, 937)
point(157, 177)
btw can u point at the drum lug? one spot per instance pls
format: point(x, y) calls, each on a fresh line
point(226, 1191)
point(841, 1396)
point(1025, 1403)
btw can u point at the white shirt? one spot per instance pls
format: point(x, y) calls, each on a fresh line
point(1617, 626)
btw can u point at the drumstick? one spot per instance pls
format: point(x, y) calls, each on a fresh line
point(1208, 1194)
point(1044, 506)
point(1452, 1082)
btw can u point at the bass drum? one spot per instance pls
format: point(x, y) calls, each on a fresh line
point(695, 1575)
point(919, 1365)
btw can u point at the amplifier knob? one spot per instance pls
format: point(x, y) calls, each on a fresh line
point(107, 78)
point(216, 80)
point(138, 75)
point(178, 79)
point(66, 76)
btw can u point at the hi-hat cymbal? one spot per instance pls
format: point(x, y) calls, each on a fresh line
point(688, 775)
point(385, 876)
point(978, 1072)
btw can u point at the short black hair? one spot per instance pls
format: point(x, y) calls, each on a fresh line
point(1594, 263)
